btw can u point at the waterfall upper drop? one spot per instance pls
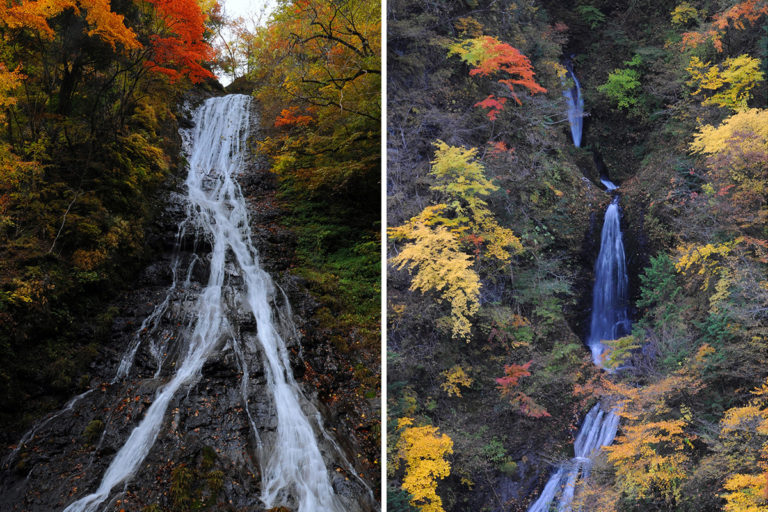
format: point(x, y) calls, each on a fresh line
point(293, 471)
point(575, 105)
point(608, 184)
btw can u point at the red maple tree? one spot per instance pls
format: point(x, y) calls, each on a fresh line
point(179, 48)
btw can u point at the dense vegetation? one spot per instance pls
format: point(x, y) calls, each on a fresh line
point(88, 91)
point(488, 378)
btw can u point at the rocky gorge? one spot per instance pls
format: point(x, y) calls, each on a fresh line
point(205, 456)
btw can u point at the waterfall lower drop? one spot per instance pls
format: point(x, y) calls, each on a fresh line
point(609, 321)
point(575, 106)
point(292, 467)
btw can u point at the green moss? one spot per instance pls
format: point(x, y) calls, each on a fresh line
point(215, 480)
point(93, 431)
point(181, 482)
point(209, 457)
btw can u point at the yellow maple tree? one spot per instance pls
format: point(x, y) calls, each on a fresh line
point(736, 152)
point(437, 263)
point(729, 84)
point(439, 237)
point(455, 377)
point(653, 453)
point(745, 428)
point(424, 451)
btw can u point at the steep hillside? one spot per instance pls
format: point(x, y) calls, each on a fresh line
point(485, 325)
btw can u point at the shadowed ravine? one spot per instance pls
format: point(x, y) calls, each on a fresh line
point(609, 321)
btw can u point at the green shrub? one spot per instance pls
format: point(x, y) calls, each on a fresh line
point(591, 15)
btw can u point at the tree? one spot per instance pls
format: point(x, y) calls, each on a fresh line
point(684, 14)
point(738, 16)
point(437, 264)
point(622, 87)
point(730, 83)
point(101, 21)
point(591, 15)
point(736, 154)
point(744, 430)
point(520, 401)
point(652, 456)
point(440, 235)
point(323, 58)
point(178, 46)
point(424, 451)
point(490, 57)
point(455, 377)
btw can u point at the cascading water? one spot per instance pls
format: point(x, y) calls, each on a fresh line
point(575, 105)
point(610, 296)
point(609, 321)
point(293, 472)
point(608, 184)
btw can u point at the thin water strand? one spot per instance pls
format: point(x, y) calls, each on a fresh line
point(35, 429)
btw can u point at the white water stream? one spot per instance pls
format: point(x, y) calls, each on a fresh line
point(575, 106)
point(610, 295)
point(293, 470)
point(609, 321)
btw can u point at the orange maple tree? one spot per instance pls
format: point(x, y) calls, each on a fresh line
point(737, 16)
point(489, 57)
point(177, 46)
point(291, 116)
point(102, 22)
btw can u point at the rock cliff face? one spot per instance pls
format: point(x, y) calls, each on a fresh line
point(205, 456)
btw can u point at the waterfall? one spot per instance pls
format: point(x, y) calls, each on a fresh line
point(609, 321)
point(293, 471)
point(610, 296)
point(575, 106)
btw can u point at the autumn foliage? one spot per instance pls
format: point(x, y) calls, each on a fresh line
point(491, 57)
point(737, 154)
point(87, 119)
point(318, 64)
point(178, 47)
point(508, 388)
point(442, 238)
point(424, 451)
point(739, 17)
point(102, 22)
point(728, 84)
